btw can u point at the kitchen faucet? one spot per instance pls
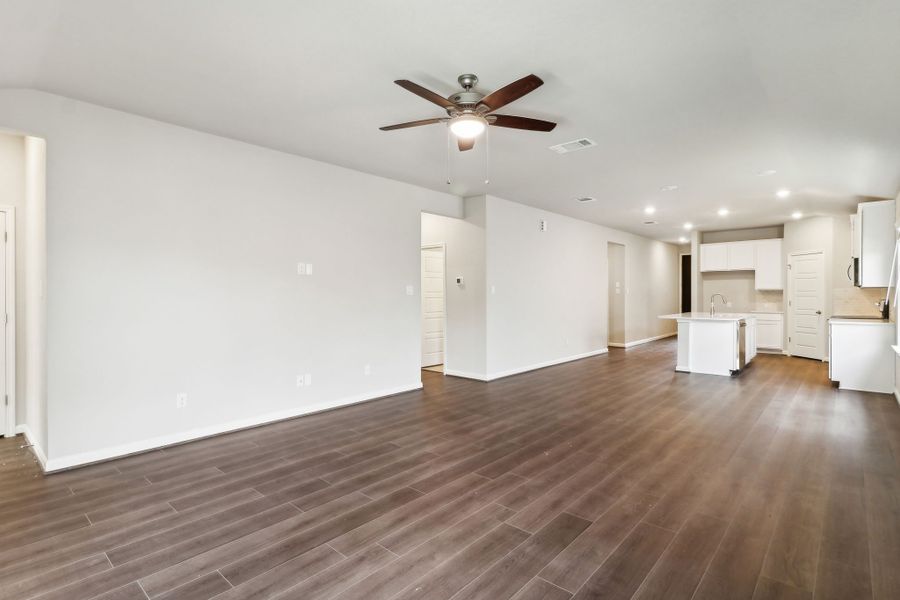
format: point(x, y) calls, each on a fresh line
point(712, 304)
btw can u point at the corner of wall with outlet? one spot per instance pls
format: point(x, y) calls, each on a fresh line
point(245, 313)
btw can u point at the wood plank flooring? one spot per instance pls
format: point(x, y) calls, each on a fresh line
point(610, 477)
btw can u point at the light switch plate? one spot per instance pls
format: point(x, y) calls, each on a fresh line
point(410, 290)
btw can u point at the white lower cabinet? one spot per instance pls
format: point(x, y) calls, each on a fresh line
point(770, 332)
point(861, 357)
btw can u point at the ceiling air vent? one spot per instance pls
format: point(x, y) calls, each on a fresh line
point(572, 146)
point(586, 199)
point(651, 222)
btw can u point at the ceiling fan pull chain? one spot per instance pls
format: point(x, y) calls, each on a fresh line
point(487, 155)
point(448, 155)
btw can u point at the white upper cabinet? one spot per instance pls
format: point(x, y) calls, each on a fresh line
point(762, 256)
point(875, 229)
point(741, 256)
point(713, 257)
point(769, 269)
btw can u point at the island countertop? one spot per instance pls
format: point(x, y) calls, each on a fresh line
point(705, 316)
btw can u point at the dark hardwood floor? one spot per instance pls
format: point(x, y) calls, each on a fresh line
point(610, 477)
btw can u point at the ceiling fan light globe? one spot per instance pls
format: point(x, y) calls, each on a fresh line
point(467, 126)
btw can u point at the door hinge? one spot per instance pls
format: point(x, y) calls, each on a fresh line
point(6, 400)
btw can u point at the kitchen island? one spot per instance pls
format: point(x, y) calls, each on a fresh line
point(714, 344)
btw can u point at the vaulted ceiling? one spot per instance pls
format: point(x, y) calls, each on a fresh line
point(704, 94)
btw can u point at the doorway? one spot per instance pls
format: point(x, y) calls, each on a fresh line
point(684, 286)
point(806, 303)
point(617, 291)
point(7, 322)
point(433, 307)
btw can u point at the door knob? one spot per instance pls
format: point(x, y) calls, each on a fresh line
point(818, 312)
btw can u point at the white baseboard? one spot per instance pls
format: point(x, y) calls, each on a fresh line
point(85, 458)
point(465, 374)
point(518, 370)
point(35, 447)
point(643, 341)
point(542, 365)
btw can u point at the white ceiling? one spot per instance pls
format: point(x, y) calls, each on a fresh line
point(702, 94)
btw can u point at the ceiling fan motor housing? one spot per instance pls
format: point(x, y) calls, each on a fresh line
point(466, 98)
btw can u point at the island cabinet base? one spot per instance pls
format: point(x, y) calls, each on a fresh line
point(714, 346)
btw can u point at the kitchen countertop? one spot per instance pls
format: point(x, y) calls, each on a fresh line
point(705, 316)
point(858, 321)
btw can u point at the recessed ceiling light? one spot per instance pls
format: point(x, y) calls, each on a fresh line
point(797, 214)
point(683, 240)
point(783, 193)
point(689, 226)
point(668, 188)
point(649, 210)
point(723, 212)
point(766, 173)
point(586, 199)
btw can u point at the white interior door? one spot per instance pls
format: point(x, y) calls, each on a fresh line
point(806, 305)
point(432, 306)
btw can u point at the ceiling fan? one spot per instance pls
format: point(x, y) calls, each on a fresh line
point(470, 112)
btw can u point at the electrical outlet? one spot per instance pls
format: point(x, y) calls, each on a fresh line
point(301, 268)
point(301, 381)
point(181, 400)
point(367, 370)
point(410, 290)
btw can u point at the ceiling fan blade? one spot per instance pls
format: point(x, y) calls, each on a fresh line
point(514, 122)
point(411, 124)
point(465, 144)
point(513, 91)
point(418, 90)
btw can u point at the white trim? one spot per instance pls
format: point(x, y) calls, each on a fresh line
point(627, 345)
point(465, 374)
point(519, 370)
point(77, 460)
point(35, 447)
point(549, 363)
point(11, 325)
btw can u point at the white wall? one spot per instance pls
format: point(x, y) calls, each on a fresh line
point(547, 291)
point(171, 267)
point(466, 311)
point(34, 333)
point(616, 285)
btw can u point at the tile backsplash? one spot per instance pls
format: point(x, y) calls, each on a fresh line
point(856, 302)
